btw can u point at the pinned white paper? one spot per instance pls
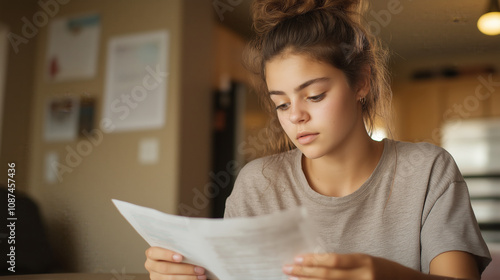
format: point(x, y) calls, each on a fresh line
point(51, 160)
point(73, 48)
point(148, 151)
point(136, 81)
point(61, 119)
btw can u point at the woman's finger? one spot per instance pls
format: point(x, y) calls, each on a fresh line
point(343, 261)
point(156, 276)
point(164, 267)
point(321, 272)
point(157, 253)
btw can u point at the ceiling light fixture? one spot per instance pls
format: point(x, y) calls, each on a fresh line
point(489, 23)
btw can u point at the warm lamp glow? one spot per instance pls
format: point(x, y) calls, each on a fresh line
point(489, 23)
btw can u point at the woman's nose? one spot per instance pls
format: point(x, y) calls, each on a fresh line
point(298, 113)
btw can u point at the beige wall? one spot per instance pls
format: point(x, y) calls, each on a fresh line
point(86, 231)
point(195, 124)
point(19, 85)
point(4, 47)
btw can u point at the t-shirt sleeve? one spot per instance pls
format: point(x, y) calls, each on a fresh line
point(242, 201)
point(448, 222)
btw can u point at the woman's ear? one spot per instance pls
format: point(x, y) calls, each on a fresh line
point(363, 87)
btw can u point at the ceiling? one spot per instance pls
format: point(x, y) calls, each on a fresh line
point(422, 28)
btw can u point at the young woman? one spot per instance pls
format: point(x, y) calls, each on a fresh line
point(385, 210)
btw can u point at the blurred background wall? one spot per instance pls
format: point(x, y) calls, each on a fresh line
point(86, 231)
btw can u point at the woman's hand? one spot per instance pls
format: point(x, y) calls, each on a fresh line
point(366, 267)
point(336, 266)
point(164, 264)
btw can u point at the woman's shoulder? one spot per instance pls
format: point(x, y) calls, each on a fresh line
point(260, 167)
point(420, 150)
point(426, 158)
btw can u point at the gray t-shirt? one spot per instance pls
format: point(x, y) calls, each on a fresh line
point(413, 207)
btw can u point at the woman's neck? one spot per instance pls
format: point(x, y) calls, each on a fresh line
point(342, 173)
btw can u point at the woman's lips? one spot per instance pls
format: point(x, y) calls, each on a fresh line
point(307, 138)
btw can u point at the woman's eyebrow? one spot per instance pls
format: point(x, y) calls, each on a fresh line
point(302, 86)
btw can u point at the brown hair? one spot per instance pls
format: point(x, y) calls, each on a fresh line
point(330, 31)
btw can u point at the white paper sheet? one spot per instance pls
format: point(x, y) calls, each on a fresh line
point(236, 248)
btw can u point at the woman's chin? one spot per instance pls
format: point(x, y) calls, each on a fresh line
point(311, 153)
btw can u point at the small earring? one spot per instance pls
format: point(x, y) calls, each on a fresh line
point(362, 100)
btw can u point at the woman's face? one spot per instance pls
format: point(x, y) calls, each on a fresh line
point(315, 105)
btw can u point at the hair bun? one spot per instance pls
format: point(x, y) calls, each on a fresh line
point(268, 13)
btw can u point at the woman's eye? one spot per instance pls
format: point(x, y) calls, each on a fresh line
point(317, 98)
point(282, 107)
